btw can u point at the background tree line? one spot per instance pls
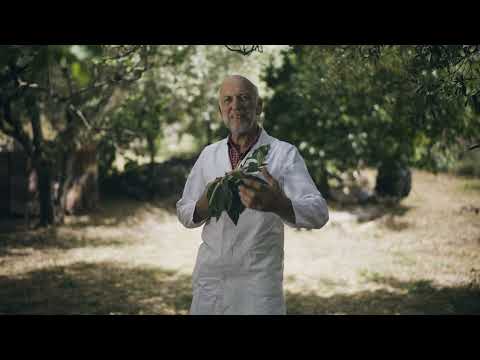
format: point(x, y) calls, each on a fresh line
point(345, 107)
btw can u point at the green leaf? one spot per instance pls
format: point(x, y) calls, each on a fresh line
point(261, 153)
point(236, 207)
point(255, 178)
point(251, 164)
point(210, 189)
point(236, 175)
point(252, 167)
point(227, 195)
point(223, 194)
point(80, 73)
point(213, 188)
point(9, 54)
point(220, 198)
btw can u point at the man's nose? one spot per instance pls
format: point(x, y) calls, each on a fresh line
point(236, 103)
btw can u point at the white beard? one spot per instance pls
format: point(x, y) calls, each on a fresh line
point(242, 129)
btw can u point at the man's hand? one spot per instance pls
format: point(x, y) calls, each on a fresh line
point(266, 197)
point(201, 208)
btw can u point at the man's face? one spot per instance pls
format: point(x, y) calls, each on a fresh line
point(239, 105)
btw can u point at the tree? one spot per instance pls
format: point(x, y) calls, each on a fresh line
point(344, 110)
point(54, 100)
point(188, 86)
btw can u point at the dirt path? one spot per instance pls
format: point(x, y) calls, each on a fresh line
point(423, 257)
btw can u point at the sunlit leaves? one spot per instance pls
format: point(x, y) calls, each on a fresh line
point(390, 93)
point(80, 73)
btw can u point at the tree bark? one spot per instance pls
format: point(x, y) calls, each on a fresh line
point(394, 179)
point(209, 133)
point(323, 184)
point(44, 172)
point(152, 149)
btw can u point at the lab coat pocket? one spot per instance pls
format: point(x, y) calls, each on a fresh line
point(270, 305)
point(206, 297)
point(268, 257)
point(266, 290)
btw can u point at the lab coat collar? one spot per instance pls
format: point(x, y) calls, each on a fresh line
point(264, 139)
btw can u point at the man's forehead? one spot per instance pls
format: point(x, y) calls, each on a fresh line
point(236, 84)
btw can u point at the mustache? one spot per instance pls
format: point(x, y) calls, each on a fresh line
point(239, 113)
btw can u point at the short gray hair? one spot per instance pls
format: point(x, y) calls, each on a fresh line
point(243, 78)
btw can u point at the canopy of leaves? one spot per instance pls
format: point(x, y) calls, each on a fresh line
point(72, 87)
point(348, 106)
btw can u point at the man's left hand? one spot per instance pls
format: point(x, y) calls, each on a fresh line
point(265, 197)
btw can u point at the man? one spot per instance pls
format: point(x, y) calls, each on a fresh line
point(239, 269)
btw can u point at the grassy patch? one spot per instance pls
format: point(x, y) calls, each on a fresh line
point(402, 258)
point(469, 165)
point(370, 276)
point(44, 239)
point(331, 284)
point(105, 288)
point(421, 297)
point(472, 185)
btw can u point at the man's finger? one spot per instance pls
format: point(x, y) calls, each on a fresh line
point(246, 201)
point(270, 179)
point(246, 191)
point(253, 184)
point(216, 179)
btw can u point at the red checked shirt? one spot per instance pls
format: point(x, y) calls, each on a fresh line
point(234, 150)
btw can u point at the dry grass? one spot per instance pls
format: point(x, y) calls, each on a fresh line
point(422, 257)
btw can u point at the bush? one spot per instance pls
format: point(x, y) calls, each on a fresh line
point(469, 165)
point(393, 179)
point(169, 178)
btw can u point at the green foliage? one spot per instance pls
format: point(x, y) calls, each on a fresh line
point(195, 82)
point(73, 86)
point(54, 100)
point(469, 165)
point(222, 194)
point(348, 106)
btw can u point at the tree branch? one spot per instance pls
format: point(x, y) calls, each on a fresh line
point(6, 131)
point(82, 117)
point(36, 127)
point(120, 56)
point(17, 132)
point(244, 50)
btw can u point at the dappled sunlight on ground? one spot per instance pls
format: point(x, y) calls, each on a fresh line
point(96, 288)
point(129, 257)
point(414, 298)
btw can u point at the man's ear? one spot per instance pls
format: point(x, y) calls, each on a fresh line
point(259, 106)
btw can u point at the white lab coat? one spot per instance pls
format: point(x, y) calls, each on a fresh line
point(239, 269)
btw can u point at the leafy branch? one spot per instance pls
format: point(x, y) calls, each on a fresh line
point(223, 195)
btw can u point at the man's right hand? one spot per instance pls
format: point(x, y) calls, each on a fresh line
point(201, 208)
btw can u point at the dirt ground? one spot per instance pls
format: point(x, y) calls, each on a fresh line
point(421, 257)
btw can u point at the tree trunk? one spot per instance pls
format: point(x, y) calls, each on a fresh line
point(209, 133)
point(394, 179)
point(47, 212)
point(324, 186)
point(152, 150)
point(78, 185)
point(42, 165)
point(65, 183)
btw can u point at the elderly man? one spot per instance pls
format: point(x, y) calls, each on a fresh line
point(239, 269)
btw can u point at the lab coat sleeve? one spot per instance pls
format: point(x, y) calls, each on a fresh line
point(193, 190)
point(310, 207)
